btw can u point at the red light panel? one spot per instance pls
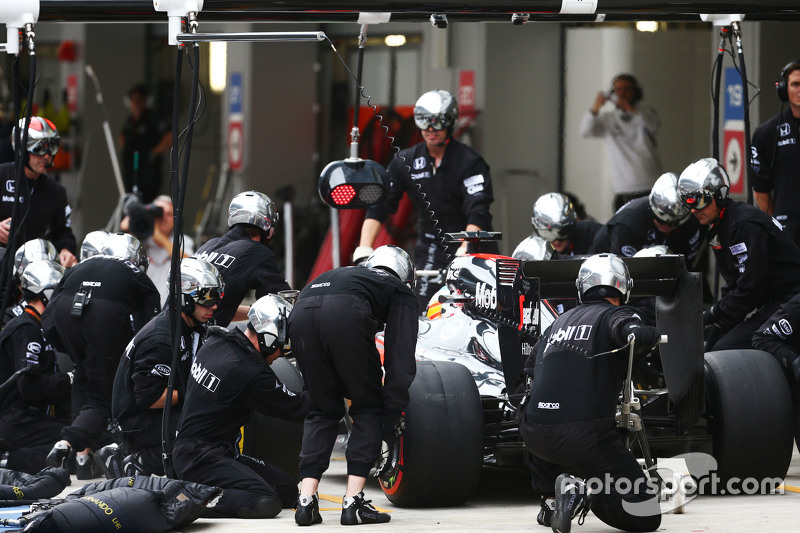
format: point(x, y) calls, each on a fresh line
point(342, 194)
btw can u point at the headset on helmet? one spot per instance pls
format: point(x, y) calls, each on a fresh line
point(268, 318)
point(532, 248)
point(781, 86)
point(608, 274)
point(395, 260)
point(33, 250)
point(553, 217)
point(665, 203)
point(40, 278)
point(701, 181)
point(438, 109)
point(201, 284)
point(253, 208)
point(638, 92)
point(92, 244)
point(125, 246)
point(43, 136)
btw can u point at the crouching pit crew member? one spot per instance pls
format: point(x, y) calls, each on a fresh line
point(27, 432)
point(758, 261)
point(573, 426)
point(555, 220)
point(230, 379)
point(140, 386)
point(333, 330)
point(95, 311)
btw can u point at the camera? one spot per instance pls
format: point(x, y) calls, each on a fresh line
point(142, 217)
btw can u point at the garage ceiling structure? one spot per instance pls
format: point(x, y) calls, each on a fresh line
point(407, 11)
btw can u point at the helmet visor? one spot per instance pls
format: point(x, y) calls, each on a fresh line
point(208, 296)
point(696, 199)
point(436, 121)
point(46, 146)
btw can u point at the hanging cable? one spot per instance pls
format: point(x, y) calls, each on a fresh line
point(179, 172)
point(737, 34)
point(21, 160)
point(424, 203)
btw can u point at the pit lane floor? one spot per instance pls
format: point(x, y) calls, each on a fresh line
point(505, 502)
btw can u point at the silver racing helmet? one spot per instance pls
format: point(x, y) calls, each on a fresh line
point(532, 248)
point(606, 272)
point(33, 250)
point(92, 244)
point(201, 284)
point(437, 109)
point(125, 246)
point(395, 260)
point(254, 208)
point(665, 203)
point(43, 138)
point(268, 318)
point(553, 217)
point(41, 278)
point(702, 181)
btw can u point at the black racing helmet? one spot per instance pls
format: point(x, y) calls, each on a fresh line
point(605, 275)
point(554, 217)
point(437, 109)
point(702, 181)
point(665, 203)
point(268, 318)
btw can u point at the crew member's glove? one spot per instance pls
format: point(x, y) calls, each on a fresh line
point(286, 350)
point(645, 337)
point(795, 366)
point(361, 253)
point(392, 428)
point(709, 317)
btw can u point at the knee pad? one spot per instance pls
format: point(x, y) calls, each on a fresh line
point(264, 508)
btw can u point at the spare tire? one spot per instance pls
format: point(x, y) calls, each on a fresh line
point(749, 411)
point(441, 451)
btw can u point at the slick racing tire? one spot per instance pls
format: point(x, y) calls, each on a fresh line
point(271, 439)
point(441, 450)
point(749, 411)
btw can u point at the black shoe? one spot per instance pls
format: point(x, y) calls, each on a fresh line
point(58, 455)
point(109, 461)
point(572, 499)
point(132, 465)
point(307, 512)
point(545, 516)
point(361, 511)
point(85, 467)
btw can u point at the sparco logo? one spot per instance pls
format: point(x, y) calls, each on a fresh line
point(485, 297)
point(549, 405)
point(204, 377)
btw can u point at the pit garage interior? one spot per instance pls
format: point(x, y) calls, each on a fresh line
point(529, 85)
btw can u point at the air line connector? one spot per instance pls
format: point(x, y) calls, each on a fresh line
point(176, 10)
point(16, 15)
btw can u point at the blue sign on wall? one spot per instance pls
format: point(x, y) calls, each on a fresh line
point(235, 94)
point(734, 97)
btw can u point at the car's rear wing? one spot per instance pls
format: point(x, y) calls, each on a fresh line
point(679, 307)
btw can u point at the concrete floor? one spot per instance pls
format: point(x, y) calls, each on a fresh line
point(505, 502)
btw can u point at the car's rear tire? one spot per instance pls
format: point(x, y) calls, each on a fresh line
point(749, 410)
point(274, 440)
point(441, 451)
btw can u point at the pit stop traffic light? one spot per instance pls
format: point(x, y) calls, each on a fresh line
point(353, 183)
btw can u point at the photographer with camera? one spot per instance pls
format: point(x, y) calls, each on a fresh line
point(153, 225)
point(630, 132)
